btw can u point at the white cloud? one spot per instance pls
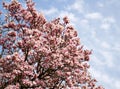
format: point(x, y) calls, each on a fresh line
point(117, 84)
point(105, 26)
point(84, 22)
point(56, 0)
point(78, 5)
point(94, 16)
point(96, 61)
point(99, 4)
point(105, 45)
point(97, 74)
point(107, 81)
point(108, 58)
point(116, 47)
point(50, 11)
point(54, 12)
point(94, 35)
point(107, 22)
point(112, 2)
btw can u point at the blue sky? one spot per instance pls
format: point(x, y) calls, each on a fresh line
point(98, 26)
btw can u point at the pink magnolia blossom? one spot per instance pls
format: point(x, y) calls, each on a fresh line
point(66, 20)
point(40, 54)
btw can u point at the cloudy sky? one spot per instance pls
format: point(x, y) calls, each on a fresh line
point(98, 26)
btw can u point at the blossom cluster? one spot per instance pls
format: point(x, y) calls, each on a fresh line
point(40, 54)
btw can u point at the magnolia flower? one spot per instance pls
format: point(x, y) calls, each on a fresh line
point(66, 20)
point(12, 33)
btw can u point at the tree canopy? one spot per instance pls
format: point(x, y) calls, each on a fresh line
point(40, 54)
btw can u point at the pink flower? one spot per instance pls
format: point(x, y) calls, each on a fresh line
point(8, 57)
point(12, 33)
point(66, 20)
point(59, 73)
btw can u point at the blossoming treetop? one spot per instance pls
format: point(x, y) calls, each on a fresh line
point(40, 54)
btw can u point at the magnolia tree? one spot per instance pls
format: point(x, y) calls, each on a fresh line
point(40, 54)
